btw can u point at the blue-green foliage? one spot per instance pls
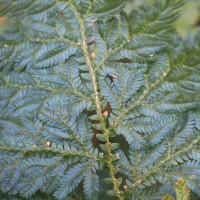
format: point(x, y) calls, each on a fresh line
point(148, 75)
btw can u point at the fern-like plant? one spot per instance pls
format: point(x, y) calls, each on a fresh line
point(96, 103)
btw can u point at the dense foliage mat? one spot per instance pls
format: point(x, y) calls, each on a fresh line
point(96, 103)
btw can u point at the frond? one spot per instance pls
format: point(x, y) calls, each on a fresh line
point(89, 92)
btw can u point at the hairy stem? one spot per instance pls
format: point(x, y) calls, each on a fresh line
point(102, 120)
point(109, 159)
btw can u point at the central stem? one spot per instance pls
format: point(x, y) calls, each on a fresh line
point(102, 120)
point(92, 72)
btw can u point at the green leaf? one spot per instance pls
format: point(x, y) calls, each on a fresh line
point(108, 180)
point(94, 117)
point(111, 193)
point(97, 126)
point(102, 10)
point(103, 147)
point(53, 53)
point(71, 180)
point(86, 76)
point(115, 145)
point(119, 181)
point(91, 185)
point(101, 137)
